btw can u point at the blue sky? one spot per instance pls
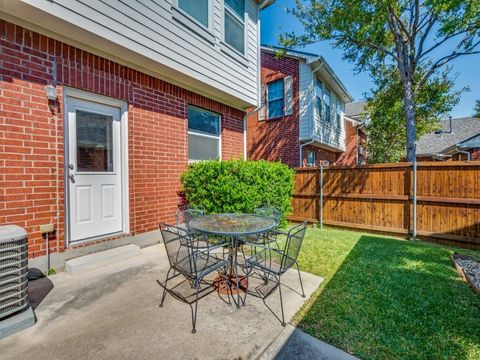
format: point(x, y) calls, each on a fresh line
point(274, 21)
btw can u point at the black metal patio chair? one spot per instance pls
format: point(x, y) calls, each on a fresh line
point(193, 263)
point(275, 262)
point(184, 214)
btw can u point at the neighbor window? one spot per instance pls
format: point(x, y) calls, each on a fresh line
point(235, 24)
point(203, 134)
point(311, 158)
point(328, 100)
point(338, 111)
point(198, 9)
point(275, 99)
point(319, 97)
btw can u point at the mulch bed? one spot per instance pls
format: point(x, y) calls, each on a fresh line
point(469, 269)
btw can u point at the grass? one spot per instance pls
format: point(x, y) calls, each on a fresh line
point(387, 298)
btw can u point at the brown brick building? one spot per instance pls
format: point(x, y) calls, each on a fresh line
point(301, 120)
point(102, 109)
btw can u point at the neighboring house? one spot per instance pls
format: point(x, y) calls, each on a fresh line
point(356, 117)
point(300, 120)
point(135, 91)
point(458, 139)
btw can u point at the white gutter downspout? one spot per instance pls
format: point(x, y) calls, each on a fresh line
point(245, 137)
point(301, 150)
point(464, 152)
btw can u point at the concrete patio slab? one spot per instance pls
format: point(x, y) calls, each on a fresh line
point(113, 313)
point(293, 343)
point(103, 258)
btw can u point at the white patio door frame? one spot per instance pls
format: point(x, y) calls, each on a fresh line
point(70, 94)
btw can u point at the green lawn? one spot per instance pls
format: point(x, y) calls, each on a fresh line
point(386, 298)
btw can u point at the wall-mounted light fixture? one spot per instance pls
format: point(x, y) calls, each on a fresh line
point(51, 92)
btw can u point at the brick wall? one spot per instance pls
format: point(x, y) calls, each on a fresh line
point(277, 139)
point(31, 133)
point(474, 155)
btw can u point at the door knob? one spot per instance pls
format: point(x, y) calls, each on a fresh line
point(72, 178)
point(70, 166)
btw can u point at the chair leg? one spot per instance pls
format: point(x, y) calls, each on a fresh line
point(281, 301)
point(194, 312)
point(165, 288)
point(300, 277)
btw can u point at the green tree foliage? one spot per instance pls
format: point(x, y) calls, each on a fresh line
point(239, 186)
point(477, 109)
point(386, 125)
point(408, 34)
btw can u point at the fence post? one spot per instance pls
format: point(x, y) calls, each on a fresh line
point(321, 195)
point(414, 200)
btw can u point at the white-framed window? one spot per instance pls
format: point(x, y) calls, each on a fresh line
point(204, 134)
point(311, 157)
point(275, 99)
point(328, 101)
point(234, 24)
point(197, 9)
point(338, 111)
point(319, 97)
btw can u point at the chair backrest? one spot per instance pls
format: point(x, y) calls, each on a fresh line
point(178, 244)
point(292, 246)
point(268, 211)
point(184, 215)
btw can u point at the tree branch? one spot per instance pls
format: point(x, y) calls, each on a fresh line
point(443, 61)
point(422, 54)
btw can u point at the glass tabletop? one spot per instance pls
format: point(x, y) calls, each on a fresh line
point(232, 224)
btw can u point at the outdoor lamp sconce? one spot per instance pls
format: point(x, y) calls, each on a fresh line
point(51, 92)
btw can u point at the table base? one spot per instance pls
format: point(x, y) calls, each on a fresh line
point(220, 284)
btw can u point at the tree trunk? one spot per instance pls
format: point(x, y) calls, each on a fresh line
point(410, 115)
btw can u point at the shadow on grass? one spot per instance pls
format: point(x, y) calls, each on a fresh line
point(393, 299)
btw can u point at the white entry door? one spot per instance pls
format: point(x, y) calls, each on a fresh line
point(94, 169)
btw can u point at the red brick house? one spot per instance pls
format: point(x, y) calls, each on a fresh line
point(301, 117)
point(103, 106)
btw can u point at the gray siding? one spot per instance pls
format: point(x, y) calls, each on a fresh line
point(150, 28)
point(328, 133)
point(306, 97)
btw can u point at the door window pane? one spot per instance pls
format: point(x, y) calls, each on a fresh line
point(94, 142)
point(234, 32)
point(198, 9)
point(203, 121)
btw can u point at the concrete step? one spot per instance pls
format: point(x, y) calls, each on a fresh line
point(94, 261)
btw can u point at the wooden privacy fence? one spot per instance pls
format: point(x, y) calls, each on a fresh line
point(382, 198)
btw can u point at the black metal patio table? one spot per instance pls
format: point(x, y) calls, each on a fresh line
point(232, 226)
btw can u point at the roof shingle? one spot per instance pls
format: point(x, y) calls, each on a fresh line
point(462, 129)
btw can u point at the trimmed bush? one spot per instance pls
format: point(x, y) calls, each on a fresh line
point(238, 186)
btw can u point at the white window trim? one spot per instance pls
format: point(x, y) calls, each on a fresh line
point(229, 49)
point(267, 101)
point(193, 24)
point(317, 110)
point(218, 137)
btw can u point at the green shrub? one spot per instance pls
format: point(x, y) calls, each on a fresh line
point(238, 186)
